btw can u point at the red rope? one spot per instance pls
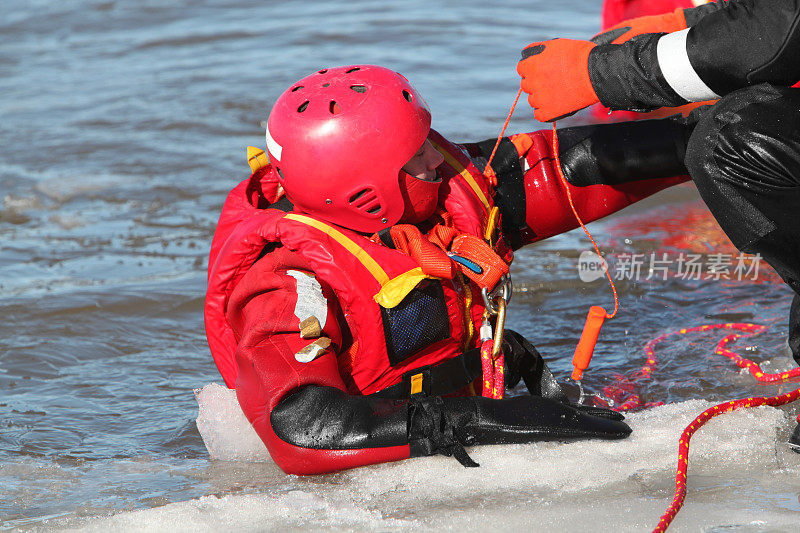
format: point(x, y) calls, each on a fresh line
point(623, 392)
point(493, 372)
point(697, 423)
point(626, 386)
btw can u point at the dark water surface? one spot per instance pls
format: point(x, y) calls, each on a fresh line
point(122, 127)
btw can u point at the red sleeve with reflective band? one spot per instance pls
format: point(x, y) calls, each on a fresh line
point(262, 312)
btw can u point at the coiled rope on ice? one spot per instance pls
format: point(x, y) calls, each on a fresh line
point(741, 330)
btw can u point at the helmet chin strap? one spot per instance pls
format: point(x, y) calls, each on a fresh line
point(420, 198)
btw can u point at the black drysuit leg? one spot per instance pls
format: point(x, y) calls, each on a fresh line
point(744, 157)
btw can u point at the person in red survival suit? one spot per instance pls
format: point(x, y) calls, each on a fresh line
point(744, 151)
point(353, 277)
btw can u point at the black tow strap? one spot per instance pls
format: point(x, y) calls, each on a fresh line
point(437, 428)
point(445, 378)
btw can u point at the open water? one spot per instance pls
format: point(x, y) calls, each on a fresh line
point(123, 124)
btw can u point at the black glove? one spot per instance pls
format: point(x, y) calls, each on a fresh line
point(446, 425)
point(320, 417)
point(523, 361)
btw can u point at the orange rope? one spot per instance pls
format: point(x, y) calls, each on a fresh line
point(489, 171)
point(585, 347)
point(578, 218)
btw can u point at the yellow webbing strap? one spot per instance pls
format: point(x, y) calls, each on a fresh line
point(462, 170)
point(393, 290)
point(491, 225)
point(369, 263)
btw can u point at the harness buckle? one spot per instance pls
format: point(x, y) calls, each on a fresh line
point(416, 383)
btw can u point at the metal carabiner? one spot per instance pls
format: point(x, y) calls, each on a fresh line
point(499, 329)
point(503, 290)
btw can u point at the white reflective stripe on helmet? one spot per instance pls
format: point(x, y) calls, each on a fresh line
point(678, 71)
point(274, 148)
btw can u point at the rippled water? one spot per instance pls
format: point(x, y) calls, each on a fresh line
point(123, 126)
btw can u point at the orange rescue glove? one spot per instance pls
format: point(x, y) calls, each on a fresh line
point(627, 29)
point(555, 74)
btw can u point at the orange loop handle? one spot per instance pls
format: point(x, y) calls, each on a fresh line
point(585, 348)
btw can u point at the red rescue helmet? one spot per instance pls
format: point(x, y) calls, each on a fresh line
point(338, 140)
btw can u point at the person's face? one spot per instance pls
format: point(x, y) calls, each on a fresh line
point(423, 164)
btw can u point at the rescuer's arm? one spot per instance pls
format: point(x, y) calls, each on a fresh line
point(740, 43)
point(607, 167)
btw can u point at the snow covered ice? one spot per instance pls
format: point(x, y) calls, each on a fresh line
point(742, 477)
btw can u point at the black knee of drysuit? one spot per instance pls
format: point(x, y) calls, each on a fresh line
point(744, 157)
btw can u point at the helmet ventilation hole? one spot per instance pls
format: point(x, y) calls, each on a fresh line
point(407, 95)
point(280, 173)
point(334, 108)
point(366, 200)
point(359, 88)
point(352, 70)
point(323, 71)
point(297, 88)
point(302, 107)
point(326, 84)
point(358, 195)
